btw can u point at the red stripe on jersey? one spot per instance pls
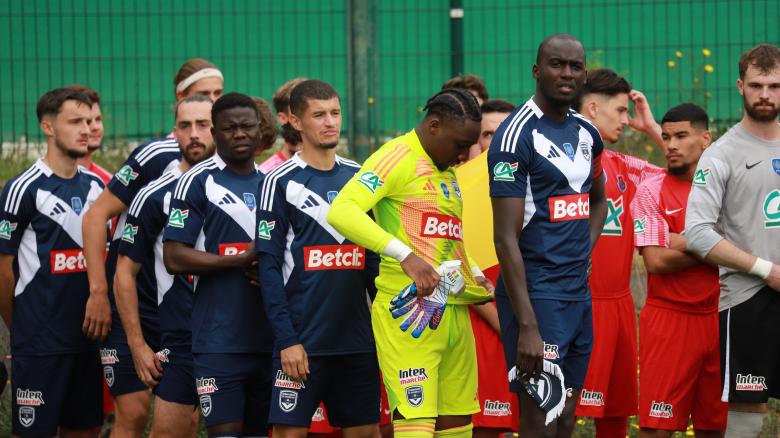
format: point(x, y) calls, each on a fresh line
point(382, 163)
point(391, 164)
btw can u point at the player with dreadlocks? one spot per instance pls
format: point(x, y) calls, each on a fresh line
point(430, 374)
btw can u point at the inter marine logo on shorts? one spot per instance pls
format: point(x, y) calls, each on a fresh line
point(206, 385)
point(412, 375)
point(26, 397)
point(108, 356)
point(285, 381)
point(414, 395)
point(233, 248)
point(496, 409)
point(441, 226)
point(569, 207)
point(749, 382)
point(162, 355)
point(551, 351)
point(661, 410)
point(591, 398)
point(334, 257)
point(67, 261)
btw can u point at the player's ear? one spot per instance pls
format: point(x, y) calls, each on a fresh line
point(296, 122)
point(434, 125)
point(707, 136)
point(282, 117)
point(740, 87)
point(535, 71)
point(47, 126)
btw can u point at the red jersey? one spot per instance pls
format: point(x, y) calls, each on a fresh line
point(99, 171)
point(613, 255)
point(272, 162)
point(659, 209)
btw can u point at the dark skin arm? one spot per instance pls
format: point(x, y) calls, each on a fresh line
point(7, 283)
point(508, 216)
point(180, 258)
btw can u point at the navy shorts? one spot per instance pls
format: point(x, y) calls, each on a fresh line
point(234, 388)
point(119, 372)
point(566, 327)
point(56, 390)
point(348, 385)
point(177, 384)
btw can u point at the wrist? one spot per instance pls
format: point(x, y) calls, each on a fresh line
point(397, 250)
point(135, 342)
point(761, 268)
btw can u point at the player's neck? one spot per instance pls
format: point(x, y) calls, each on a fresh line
point(551, 109)
point(288, 150)
point(318, 157)
point(769, 131)
point(85, 161)
point(61, 164)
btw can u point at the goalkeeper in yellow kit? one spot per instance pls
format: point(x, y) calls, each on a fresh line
point(430, 371)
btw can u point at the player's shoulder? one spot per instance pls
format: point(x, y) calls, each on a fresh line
point(651, 185)
point(353, 166)
point(197, 173)
point(586, 124)
point(154, 191)
point(520, 122)
point(399, 156)
point(155, 148)
point(17, 187)
point(90, 176)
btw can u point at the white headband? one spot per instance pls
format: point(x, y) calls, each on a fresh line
point(198, 75)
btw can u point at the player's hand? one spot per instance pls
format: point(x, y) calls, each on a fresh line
point(422, 312)
point(773, 280)
point(147, 365)
point(678, 242)
point(97, 315)
point(252, 274)
point(530, 351)
point(484, 282)
point(643, 120)
point(295, 362)
point(423, 275)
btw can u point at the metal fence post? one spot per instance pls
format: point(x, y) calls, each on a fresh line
point(456, 37)
point(359, 41)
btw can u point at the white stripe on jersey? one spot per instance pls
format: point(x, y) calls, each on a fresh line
point(184, 182)
point(86, 171)
point(28, 260)
point(269, 183)
point(18, 187)
point(229, 203)
point(297, 194)
point(146, 192)
point(507, 142)
point(347, 162)
point(581, 117)
point(153, 149)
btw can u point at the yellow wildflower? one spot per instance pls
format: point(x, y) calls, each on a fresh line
point(671, 63)
point(678, 54)
point(709, 69)
point(706, 52)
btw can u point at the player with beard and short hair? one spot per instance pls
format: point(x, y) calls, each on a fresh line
point(210, 233)
point(734, 220)
point(547, 191)
point(56, 383)
point(292, 138)
point(101, 321)
point(95, 133)
point(141, 281)
point(317, 306)
point(679, 321)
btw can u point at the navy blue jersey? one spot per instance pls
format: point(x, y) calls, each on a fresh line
point(314, 281)
point(213, 210)
point(40, 224)
point(551, 165)
point(168, 296)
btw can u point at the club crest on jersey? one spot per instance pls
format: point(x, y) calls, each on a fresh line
point(177, 217)
point(771, 210)
point(661, 410)
point(639, 225)
point(331, 195)
point(414, 395)
point(6, 228)
point(445, 190)
point(569, 150)
point(776, 165)
point(621, 183)
point(76, 205)
point(205, 405)
point(585, 150)
point(700, 177)
point(128, 233)
point(108, 374)
point(612, 225)
point(288, 400)
point(26, 416)
point(456, 189)
point(264, 229)
point(371, 180)
point(126, 174)
point(503, 171)
point(249, 200)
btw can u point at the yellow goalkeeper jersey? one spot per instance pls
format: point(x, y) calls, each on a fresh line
point(412, 201)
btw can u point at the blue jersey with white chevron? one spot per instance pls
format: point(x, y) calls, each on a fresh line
point(40, 224)
point(551, 165)
point(213, 210)
point(159, 293)
point(314, 281)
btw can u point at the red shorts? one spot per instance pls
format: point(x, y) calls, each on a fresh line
point(610, 388)
point(498, 406)
point(679, 361)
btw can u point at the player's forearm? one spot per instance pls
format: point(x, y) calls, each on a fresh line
point(275, 301)
point(666, 260)
point(346, 216)
point(95, 238)
point(725, 253)
point(126, 297)
point(598, 214)
point(180, 258)
point(7, 282)
point(488, 312)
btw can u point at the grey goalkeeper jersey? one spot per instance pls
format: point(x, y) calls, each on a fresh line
point(736, 196)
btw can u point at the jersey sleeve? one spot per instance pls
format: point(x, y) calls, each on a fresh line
point(137, 172)
point(598, 150)
point(705, 202)
point(650, 228)
point(18, 208)
point(140, 231)
point(272, 219)
point(639, 170)
point(188, 211)
point(382, 174)
point(509, 160)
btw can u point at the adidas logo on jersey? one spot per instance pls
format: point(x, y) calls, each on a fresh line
point(551, 351)
point(285, 381)
point(229, 249)
point(57, 210)
point(67, 261)
point(227, 200)
point(206, 385)
point(496, 409)
point(591, 398)
point(553, 152)
point(26, 397)
point(412, 375)
point(661, 410)
point(749, 382)
point(569, 207)
point(329, 257)
point(309, 202)
point(441, 226)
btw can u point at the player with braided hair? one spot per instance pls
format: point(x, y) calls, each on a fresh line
point(429, 372)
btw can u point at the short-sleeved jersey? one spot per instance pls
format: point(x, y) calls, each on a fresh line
point(146, 163)
point(213, 210)
point(322, 304)
point(659, 209)
point(613, 255)
point(272, 162)
point(412, 201)
point(40, 224)
point(167, 296)
point(551, 166)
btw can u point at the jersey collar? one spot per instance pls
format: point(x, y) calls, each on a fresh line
point(43, 167)
point(219, 161)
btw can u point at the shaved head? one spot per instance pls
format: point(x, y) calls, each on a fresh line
point(554, 40)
